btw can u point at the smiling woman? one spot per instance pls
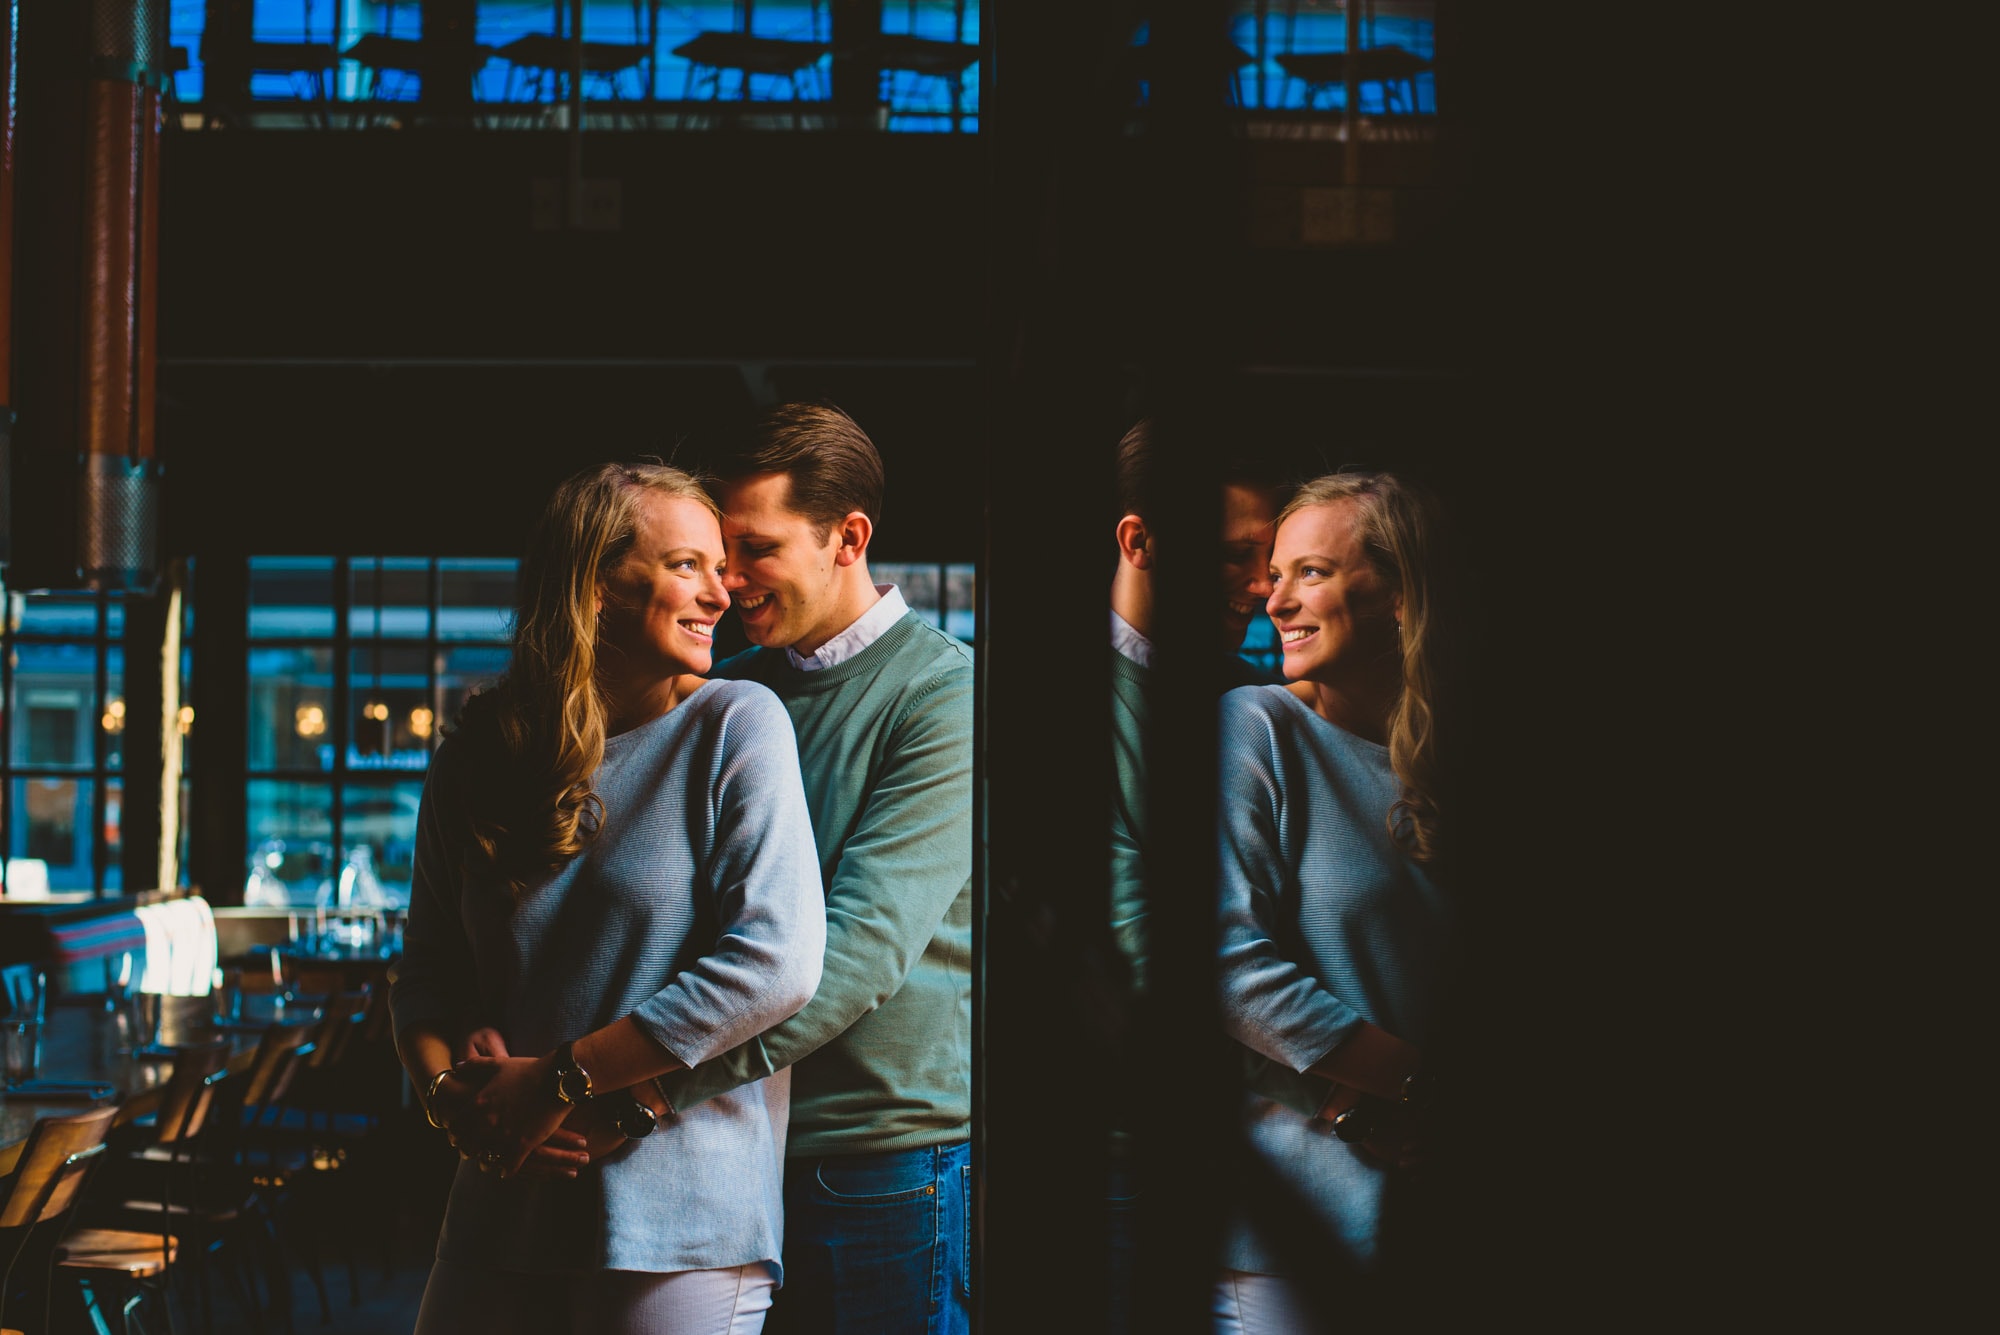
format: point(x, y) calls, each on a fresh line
point(1335, 916)
point(615, 870)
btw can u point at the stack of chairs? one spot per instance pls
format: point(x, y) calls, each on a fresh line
point(45, 1257)
point(197, 1170)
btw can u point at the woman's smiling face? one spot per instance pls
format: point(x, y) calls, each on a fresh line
point(1333, 611)
point(659, 604)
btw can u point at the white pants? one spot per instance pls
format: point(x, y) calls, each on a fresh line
point(1251, 1304)
point(607, 1302)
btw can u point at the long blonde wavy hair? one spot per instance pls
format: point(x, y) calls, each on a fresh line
point(539, 731)
point(1398, 526)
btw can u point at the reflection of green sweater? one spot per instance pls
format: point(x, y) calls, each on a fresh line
point(1128, 800)
point(882, 1054)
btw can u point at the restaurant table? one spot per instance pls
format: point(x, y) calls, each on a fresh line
point(354, 965)
point(79, 1044)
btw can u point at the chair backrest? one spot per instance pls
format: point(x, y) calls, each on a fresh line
point(345, 1013)
point(50, 1170)
point(271, 1068)
point(189, 1092)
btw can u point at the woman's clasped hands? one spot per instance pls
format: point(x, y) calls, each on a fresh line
point(502, 1112)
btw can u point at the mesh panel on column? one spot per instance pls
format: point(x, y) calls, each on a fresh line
point(118, 522)
point(125, 31)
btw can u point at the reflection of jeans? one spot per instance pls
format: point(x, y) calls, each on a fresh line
point(1120, 1201)
point(875, 1244)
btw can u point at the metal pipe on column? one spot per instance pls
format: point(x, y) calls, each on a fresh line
point(87, 176)
point(9, 13)
point(118, 500)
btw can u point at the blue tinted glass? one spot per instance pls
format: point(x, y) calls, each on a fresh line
point(383, 817)
point(114, 844)
point(389, 700)
point(476, 599)
point(54, 705)
point(290, 832)
point(292, 725)
point(49, 824)
point(291, 597)
point(1260, 644)
point(464, 670)
point(1288, 69)
point(308, 55)
point(112, 720)
point(390, 597)
point(961, 600)
point(918, 584)
point(57, 614)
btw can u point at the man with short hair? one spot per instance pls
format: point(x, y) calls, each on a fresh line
point(878, 1171)
point(1249, 510)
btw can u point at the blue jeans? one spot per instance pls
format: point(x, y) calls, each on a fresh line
point(876, 1244)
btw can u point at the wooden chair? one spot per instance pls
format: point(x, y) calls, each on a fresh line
point(155, 1176)
point(111, 1259)
point(226, 1193)
point(326, 1127)
point(45, 1187)
point(265, 1171)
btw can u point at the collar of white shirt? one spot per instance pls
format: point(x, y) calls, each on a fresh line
point(1130, 642)
point(869, 627)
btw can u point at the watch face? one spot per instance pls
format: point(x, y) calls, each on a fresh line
point(637, 1121)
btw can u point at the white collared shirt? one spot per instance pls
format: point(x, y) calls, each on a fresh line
point(869, 627)
point(1130, 642)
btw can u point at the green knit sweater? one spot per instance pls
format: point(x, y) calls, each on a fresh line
point(881, 1056)
point(1129, 685)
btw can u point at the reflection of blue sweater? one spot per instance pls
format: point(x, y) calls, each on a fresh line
point(1324, 924)
point(697, 911)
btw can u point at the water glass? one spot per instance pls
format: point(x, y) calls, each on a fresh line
point(146, 1008)
point(228, 993)
point(22, 1040)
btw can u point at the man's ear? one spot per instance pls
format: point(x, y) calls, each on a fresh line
point(1135, 544)
point(853, 534)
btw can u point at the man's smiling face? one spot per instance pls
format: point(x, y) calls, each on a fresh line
point(781, 566)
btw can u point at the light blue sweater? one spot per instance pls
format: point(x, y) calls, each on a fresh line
point(697, 911)
point(1324, 924)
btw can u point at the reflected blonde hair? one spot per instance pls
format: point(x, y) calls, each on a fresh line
point(1397, 524)
point(539, 731)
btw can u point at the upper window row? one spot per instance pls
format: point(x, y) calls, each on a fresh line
point(647, 64)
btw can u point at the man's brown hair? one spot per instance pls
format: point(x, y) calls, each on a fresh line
point(1141, 459)
point(833, 466)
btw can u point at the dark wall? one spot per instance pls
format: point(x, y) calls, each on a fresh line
point(372, 343)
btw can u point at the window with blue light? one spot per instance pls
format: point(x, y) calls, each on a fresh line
point(337, 63)
point(62, 741)
point(357, 665)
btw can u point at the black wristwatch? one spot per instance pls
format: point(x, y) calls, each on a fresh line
point(1356, 1123)
point(572, 1081)
point(634, 1120)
